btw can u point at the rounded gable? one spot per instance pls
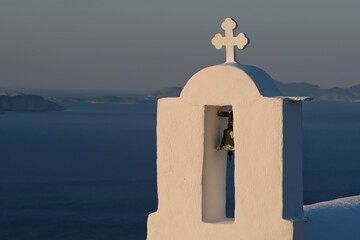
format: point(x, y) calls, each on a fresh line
point(228, 83)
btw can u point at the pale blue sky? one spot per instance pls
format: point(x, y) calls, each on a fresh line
point(148, 45)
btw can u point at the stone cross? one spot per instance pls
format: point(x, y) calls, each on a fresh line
point(229, 41)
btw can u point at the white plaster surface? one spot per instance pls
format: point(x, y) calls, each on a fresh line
point(335, 220)
point(268, 160)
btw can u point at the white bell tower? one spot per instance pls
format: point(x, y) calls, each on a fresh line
point(191, 171)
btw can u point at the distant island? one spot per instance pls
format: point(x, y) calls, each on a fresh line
point(104, 99)
point(166, 92)
point(26, 103)
point(351, 94)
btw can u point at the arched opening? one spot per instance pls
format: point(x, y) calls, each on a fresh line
point(218, 174)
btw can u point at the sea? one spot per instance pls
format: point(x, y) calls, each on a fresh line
point(89, 172)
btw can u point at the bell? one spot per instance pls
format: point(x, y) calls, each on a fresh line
point(227, 141)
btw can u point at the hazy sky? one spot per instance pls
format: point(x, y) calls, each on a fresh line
point(151, 44)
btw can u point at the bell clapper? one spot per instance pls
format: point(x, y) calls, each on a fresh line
point(230, 153)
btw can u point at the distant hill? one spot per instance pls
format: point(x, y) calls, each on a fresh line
point(166, 92)
point(23, 102)
point(103, 99)
point(351, 94)
point(26, 103)
point(118, 100)
point(298, 89)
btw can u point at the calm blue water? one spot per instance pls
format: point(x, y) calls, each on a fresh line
point(89, 172)
point(331, 150)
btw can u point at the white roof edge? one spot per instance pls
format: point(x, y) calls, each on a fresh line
point(296, 99)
